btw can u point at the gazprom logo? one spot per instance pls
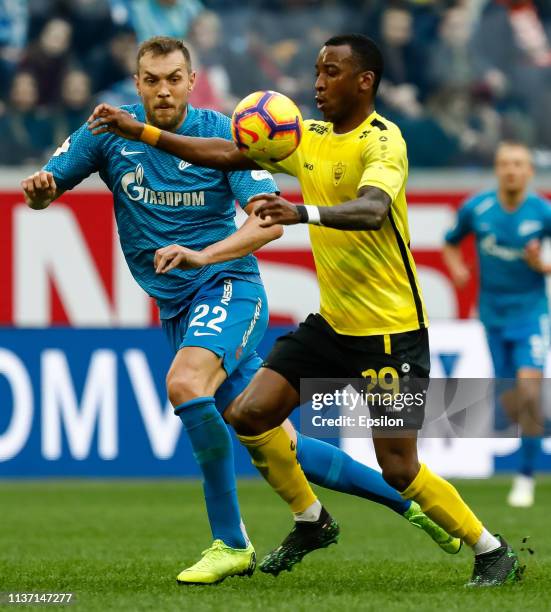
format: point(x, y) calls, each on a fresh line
point(132, 185)
point(490, 246)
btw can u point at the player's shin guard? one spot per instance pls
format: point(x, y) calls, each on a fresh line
point(213, 450)
point(274, 455)
point(328, 466)
point(442, 503)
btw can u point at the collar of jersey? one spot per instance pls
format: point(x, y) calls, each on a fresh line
point(188, 120)
point(528, 197)
point(362, 125)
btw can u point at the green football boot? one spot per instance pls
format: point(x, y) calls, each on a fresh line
point(419, 519)
point(496, 568)
point(218, 562)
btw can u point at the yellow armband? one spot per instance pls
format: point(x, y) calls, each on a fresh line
point(150, 135)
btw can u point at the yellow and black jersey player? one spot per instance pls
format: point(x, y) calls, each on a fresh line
point(352, 168)
point(367, 279)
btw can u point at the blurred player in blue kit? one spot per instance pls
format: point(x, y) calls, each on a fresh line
point(509, 224)
point(214, 316)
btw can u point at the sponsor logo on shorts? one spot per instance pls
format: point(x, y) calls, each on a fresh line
point(228, 292)
point(252, 324)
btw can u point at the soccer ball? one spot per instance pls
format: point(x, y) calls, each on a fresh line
point(266, 126)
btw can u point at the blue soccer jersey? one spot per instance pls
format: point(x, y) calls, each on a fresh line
point(511, 292)
point(160, 200)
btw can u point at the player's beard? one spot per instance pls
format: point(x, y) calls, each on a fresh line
point(334, 114)
point(169, 122)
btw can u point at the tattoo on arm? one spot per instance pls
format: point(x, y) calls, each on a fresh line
point(367, 212)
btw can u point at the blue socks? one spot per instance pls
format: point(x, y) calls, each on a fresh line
point(530, 447)
point(213, 451)
point(330, 467)
point(323, 464)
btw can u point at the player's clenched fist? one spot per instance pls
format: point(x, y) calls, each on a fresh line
point(176, 256)
point(39, 189)
point(274, 210)
point(107, 118)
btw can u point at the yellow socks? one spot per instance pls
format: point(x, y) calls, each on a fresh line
point(440, 501)
point(275, 456)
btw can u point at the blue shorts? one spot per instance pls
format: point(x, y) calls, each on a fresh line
point(227, 316)
point(519, 346)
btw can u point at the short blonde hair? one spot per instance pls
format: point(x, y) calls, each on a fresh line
point(163, 45)
point(514, 144)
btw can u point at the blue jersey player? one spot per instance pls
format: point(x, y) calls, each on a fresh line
point(213, 315)
point(509, 224)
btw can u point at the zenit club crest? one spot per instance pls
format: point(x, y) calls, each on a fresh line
point(338, 172)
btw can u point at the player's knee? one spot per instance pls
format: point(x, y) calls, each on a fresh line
point(245, 415)
point(183, 386)
point(529, 393)
point(399, 472)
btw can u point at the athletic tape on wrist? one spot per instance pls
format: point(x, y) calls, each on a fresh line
point(309, 214)
point(313, 213)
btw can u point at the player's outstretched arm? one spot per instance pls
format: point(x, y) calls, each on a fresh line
point(40, 189)
point(247, 239)
point(367, 212)
point(215, 153)
point(453, 258)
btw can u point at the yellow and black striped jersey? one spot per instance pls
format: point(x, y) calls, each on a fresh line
point(368, 282)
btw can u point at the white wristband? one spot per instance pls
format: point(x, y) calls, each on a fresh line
point(313, 213)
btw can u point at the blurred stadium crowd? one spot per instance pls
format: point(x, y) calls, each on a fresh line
point(460, 74)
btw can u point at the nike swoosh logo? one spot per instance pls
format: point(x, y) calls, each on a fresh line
point(198, 333)
point(125, 152)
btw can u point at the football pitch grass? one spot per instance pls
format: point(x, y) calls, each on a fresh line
point(118, 545)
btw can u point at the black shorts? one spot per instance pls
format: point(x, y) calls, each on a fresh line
point(316, 350)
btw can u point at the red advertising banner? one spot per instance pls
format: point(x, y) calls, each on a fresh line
point(63, 266)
